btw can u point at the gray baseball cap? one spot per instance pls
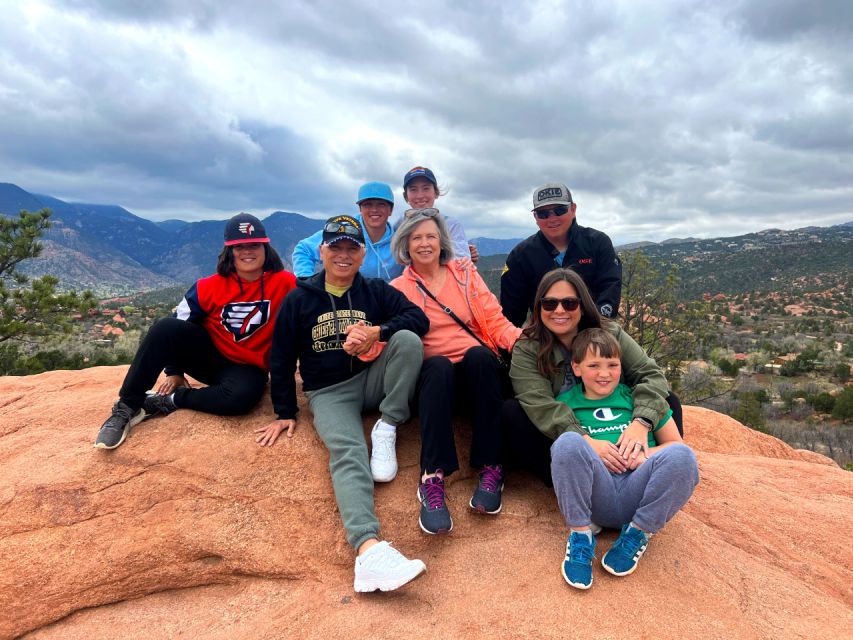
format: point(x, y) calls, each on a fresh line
point(551, 193)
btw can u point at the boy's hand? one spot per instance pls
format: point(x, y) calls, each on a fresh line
point(270, 433)
point(609, 455)
point(171, 383)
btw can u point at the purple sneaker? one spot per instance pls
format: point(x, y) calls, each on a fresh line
point(487, 495)
point(435, 516)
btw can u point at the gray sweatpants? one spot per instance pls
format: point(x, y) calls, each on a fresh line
point(388, 385)
point(650, 495)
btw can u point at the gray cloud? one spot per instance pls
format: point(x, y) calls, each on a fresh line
point(671, 118)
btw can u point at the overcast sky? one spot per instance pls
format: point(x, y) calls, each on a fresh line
point(665, 119)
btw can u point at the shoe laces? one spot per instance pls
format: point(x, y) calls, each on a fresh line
point(383, 447)
point(121, 410)
point(630, 542)
point(490, 478)
point(580, 549)
point(432, 492)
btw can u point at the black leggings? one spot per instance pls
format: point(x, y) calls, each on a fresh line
point(233, 389)
point(476, 381)
point(530, 449)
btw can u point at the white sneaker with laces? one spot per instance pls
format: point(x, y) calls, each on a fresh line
point(383, 455)
point(384, 568)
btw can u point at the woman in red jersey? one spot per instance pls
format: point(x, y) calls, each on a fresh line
point(220, 335)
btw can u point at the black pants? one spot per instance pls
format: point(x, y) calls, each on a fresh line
point(476, 383)
point(234, 389)
point(528, 448)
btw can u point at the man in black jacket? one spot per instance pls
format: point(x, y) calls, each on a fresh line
point(560, 242)
point(358, 344)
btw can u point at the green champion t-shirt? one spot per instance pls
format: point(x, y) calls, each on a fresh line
point(606, 418)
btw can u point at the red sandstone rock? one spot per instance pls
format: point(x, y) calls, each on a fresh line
point(190, 529)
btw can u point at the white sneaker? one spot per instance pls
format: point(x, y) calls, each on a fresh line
point(383, 455)
point(384, 568)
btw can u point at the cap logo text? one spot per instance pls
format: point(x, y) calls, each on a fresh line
point(552, 192)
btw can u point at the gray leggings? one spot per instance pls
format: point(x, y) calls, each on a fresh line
point(649, 496)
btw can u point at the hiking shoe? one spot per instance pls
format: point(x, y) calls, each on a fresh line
point(577, 566)
point(435, 516)
point(114, 430)
point(383, 455)
point(155, 404)
point(384, 568)
point(626, 552)
point(487, 495)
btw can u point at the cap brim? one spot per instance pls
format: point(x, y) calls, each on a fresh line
point(231, 243)
point(334, 240)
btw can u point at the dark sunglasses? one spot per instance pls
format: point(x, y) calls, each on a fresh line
point(341, 227)
point(569, 304)
point(544, 214)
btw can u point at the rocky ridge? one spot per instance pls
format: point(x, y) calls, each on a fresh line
point(192, 530)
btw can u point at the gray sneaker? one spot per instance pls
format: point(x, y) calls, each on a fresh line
point(384, 568)
point(114, 430)
point(156, 405)
point(487, 495)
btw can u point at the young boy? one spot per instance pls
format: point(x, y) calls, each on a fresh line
point(637, 491)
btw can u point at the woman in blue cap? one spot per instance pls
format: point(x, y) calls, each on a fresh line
point(375, 204)
point(221, 335)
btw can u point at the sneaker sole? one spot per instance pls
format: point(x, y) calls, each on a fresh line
point(576, 585)
point(378, 478)
point(135, 420)
point(427, 531)
point(613, 571)
point(367, 586)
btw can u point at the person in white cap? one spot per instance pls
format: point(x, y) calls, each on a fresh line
point(560, 242)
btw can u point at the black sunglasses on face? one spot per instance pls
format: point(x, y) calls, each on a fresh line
point(341, 227)
point(569, 304)
point(544, 214)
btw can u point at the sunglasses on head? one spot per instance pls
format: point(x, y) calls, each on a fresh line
point(429, 213)
point(544, 214)
point(341, 227)
point(569, 304)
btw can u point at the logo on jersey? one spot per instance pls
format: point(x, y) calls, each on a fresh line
point(606, 415)
point(242, 319)
point(606, 310)
point(246, 227)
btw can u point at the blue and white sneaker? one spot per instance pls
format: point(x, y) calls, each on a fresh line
point(625, 554)
point(577, 565)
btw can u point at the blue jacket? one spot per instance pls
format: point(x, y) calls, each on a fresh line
point(378, 261)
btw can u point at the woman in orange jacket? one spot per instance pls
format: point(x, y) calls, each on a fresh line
point(460, 355)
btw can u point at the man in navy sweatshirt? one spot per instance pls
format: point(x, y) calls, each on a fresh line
point(358, 344)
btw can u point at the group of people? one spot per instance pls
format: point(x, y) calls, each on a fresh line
point(387, 318)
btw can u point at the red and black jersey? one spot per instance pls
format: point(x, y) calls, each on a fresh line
point(238, 315)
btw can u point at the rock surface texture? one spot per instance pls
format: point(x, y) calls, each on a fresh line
point(190, 529)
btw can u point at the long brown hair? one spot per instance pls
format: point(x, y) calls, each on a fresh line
point(590, 317)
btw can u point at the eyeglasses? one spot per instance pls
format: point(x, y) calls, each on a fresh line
point(544, 214)
point(342, 227)
point(569, 304)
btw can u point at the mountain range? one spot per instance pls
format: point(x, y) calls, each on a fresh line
point(110, 250)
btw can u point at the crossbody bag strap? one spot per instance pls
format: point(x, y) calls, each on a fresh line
point(449, 312)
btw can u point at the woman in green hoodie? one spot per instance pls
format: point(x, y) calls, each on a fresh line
point(541, 370)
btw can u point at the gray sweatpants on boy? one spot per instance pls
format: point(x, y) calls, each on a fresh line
point(388, 385)
point(649, 495)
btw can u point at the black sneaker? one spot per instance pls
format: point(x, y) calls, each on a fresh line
point(435, 516)
point(487, 495)
point(156, 405)
point(114, 430)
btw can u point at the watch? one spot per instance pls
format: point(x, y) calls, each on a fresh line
point(645, 422)
point(384, 333)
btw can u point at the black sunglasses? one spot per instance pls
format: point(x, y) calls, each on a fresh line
point(341, 227)
point(569, 304)
point(544, 214)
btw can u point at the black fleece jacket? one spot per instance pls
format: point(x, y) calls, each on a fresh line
point(590, 253)
point(310, 328)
